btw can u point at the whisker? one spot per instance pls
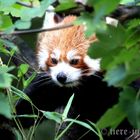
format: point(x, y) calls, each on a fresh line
point(47, 82)
point(25, 61)
point(41, 80)
point(44, 75)
point(92, 74)
point(86, 70)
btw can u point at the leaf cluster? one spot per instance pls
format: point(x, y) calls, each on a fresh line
point(118, 48)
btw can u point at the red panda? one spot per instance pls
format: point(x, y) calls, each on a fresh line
point(64, 52)
point(62, 56)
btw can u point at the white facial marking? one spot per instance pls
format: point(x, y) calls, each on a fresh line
point(73, 74)
point(93, 64)
point(56, 54)
point(42, 58)
point(71, 54)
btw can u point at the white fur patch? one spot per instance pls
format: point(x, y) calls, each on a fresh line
point(72, 54)
point(56, 54)
point(49, 18)
point(93, 64)
point(73, 74)
point(42, 58)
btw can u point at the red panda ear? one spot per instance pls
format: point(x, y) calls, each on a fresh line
point(92, 38)
point(51, 18)
point(57, 18)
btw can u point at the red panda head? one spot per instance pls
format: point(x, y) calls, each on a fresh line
point(63, 53)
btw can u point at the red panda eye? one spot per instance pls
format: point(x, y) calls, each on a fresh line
point(74, 61)
point(54, 61)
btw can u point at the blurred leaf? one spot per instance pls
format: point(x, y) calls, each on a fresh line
point(119, 56)
point(20, 24)
point(25, 14)
point(5, 77)
point(5, 80)
point(115, 75)
point(5, 108)
point(28, 14)
point(133, 23)
point(104, 7)
point(11, 45)
point(87, 20)
point(111, 118)
point(67, 108)
point(105, 46)
point(29, 80)
point(64, 5)
point(21, 94)
point(5, 22)
point(18, 134)
point(132, 38)
point(7, 3)
point(57, 117)
point(130, 103)
point(23, 68)
point(5, 69)
point(3, 49)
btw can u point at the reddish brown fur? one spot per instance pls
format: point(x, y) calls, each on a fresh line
point(65, 40)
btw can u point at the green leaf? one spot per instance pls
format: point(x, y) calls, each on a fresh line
point(98, 130)
point(111, 118)
point(87, 20)
point(105, 46)
point(5, 108)
point(29, 80)
point(21, 94)
point(23, 68)
point(5, 22)
point(119, 56)
point(132, 38)
point(105, 7)
point(57, 117)
point(11, 45)
point(64, 5)
point(130, 103)
point(5, 69)
point(86, 125)
point(6, 3)
point(3, 49)
point(115, 75)
point(5, 77)
point(5, 80)
point(28, 14)
point(67, 108)
point(20, 24)
point(133, 23)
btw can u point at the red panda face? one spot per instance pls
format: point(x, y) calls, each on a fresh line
point(63, 53)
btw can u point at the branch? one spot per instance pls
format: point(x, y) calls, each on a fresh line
point(38, 30)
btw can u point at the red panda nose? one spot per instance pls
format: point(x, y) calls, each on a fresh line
point(61, 77)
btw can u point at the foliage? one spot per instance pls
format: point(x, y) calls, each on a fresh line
point(118, 48)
